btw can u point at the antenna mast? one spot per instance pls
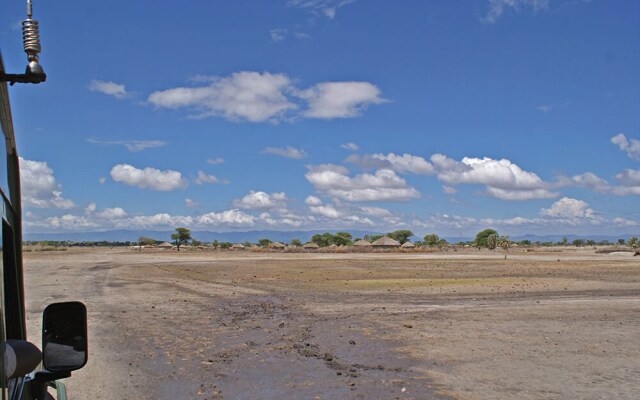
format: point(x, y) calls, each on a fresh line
point(31, 44)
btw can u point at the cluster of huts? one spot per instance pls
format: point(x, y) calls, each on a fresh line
point(384, 243)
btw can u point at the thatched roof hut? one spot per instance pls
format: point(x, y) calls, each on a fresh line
point(362, 243)
point(165, 245)
point(311, 246)
point(408, 245)
point(238, 246)
point(385, 242)
point(277, 246)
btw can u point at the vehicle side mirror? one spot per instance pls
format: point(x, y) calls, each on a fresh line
point(64, 336)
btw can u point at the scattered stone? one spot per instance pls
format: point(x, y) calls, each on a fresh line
point(352, 342)
point(328, 357)
point(409, 326)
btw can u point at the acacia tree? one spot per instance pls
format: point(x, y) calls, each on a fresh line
point(492, 241)
point(431, 239)
point(182, 236)
point(401, 235)
point(342, 239)
point(505, 242)
point(372, 238)
point(145, 241)
point(482, 236)
point(322, 239)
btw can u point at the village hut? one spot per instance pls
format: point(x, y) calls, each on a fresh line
point(277, 246)
point(407, 246)
point(332, 247)
point(311, 246)
point(385, 242)
point(362, 244)
point(238, 246)
point(165, 245)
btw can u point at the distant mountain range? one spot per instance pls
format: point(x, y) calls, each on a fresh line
point(278, 236)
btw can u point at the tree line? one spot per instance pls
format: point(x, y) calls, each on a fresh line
point(487, 238)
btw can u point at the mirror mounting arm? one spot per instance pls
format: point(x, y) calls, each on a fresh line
point(45, 376)
point(28, 77)
point(40, 380)
point(39, 383)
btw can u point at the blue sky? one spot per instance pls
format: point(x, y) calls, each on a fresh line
point(440, 116)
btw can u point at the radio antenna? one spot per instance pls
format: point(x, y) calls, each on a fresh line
point(31, 44)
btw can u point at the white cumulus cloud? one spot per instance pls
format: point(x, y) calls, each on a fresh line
point(312, 201)
point(266, 97)
point(329, 100)
point(190, 203)
point(629, 183)
point(256, 200)
point(161, 220)
point(150, 178)
point(350, 146)
point(407, 163)
point(568, 208)
point(203, 178)
point(39, 186)
point(629, 146)
point(107, 87)
point(502, 178)
point(376, 211)
point(288, 152)
point(383, 185)
point(91, 207)
point(327, 210)
point(246, 95)
point(112, 213)
point(232, 218)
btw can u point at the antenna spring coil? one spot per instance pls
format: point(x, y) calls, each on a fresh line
point(31, 38)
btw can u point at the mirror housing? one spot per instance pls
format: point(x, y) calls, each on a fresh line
point(64, 336)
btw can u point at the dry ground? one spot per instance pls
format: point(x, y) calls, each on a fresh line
point(473, 325)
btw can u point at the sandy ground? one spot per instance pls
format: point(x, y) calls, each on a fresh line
point(167, 325)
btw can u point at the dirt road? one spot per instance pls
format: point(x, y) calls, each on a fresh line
point(348, 326)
